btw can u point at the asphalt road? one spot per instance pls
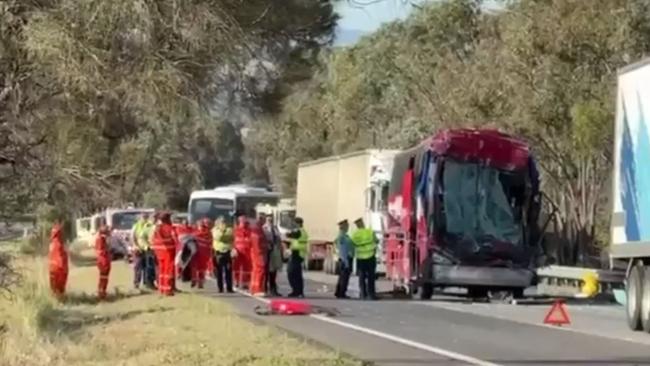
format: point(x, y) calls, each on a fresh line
point(394, 332)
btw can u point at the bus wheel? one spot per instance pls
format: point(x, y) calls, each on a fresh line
point(634, 295)
point(477, 292)
point(518, 293)
point(427, 291)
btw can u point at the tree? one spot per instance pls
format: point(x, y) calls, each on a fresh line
point(543, 70)
point(108, 100)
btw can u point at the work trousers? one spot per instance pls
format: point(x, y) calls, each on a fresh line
point(344, 277)
point(166, 282)
point(259, 274)
point(366, 269)
point(150, 272)
point(58, 280)
point(104, 266)
point(223, 270)
point(294, 274)
point(270, 276)
point(200, 266)
point(144, 269)
point(242, 268)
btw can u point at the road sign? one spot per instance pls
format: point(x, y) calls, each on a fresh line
point(557, 315)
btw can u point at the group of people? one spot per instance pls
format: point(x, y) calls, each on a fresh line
point(247, 257)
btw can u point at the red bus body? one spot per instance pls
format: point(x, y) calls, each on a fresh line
point(463, 210)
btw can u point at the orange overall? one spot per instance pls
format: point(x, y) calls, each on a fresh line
point(164, 245)
point(103, 261)
point(241, 266)
point(258, 259)
point(203, 237)
point(58, 262)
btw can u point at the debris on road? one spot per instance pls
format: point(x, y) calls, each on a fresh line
point(290, 307)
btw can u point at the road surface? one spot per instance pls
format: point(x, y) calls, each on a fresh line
point(400, 333)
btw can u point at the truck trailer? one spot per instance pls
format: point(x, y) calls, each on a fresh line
point(339, 187)
point(630, 221)
point(463, 212)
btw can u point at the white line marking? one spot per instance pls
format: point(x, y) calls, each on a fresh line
point(424, 347)
point(542, 325)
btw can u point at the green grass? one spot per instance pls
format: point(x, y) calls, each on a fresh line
point(135, 328)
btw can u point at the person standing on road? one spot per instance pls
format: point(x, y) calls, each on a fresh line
point(164, 245)
point(103, 259)
point(140, 239)
point(58, 261)
point(151, 262)
point(365, 245)
point(274, 256)
point(242, 260)
point(298, 249)
point(345, 249)
point(222, 245)
point(259, 251)
point(202, 257)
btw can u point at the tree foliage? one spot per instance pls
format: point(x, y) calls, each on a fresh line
point(102, 102)
point(544, 70)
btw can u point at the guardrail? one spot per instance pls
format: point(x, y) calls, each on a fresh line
point(563, 280)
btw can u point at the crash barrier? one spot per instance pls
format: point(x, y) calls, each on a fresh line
point(292, 307)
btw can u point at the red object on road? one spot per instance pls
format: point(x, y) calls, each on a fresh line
point(293, 307)
point(557, 315)
point(290, 307)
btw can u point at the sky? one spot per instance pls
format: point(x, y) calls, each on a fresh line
point(363, 19)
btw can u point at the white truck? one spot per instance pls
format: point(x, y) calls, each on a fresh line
point(630, 221)
point(284, 214)
point(347, 186)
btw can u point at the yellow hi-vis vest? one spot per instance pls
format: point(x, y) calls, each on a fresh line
point(222, 239)
point(142, 229)
point(365, 243)
point(300, 244)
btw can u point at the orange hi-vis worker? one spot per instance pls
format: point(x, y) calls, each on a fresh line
point(164, 245)
point(203, 237)
point(259, 249)
point(58, 262)
point(103, 260)
point(241, 266)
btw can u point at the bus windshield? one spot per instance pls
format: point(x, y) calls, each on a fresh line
point(211, 208)
point(482, 203)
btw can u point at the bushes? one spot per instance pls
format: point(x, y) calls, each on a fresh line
point(27, 313)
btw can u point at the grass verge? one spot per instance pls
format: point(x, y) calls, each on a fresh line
point(135, 328)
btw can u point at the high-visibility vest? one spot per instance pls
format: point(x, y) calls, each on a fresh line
point(142, 233)
point(222, 239)
point(365, 244)
point(300, 244)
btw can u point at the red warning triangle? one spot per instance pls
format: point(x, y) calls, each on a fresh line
point(557, 315)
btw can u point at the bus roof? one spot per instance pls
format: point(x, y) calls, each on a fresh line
point(233, 191)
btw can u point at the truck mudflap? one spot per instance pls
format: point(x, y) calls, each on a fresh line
point(456, 275)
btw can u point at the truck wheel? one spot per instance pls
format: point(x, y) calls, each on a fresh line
point(645, 300)
point(427, 291)
point(634, 295)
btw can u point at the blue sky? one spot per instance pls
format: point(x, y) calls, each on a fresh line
point(359, 20)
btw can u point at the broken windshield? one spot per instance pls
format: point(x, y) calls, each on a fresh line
point(480, 203)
